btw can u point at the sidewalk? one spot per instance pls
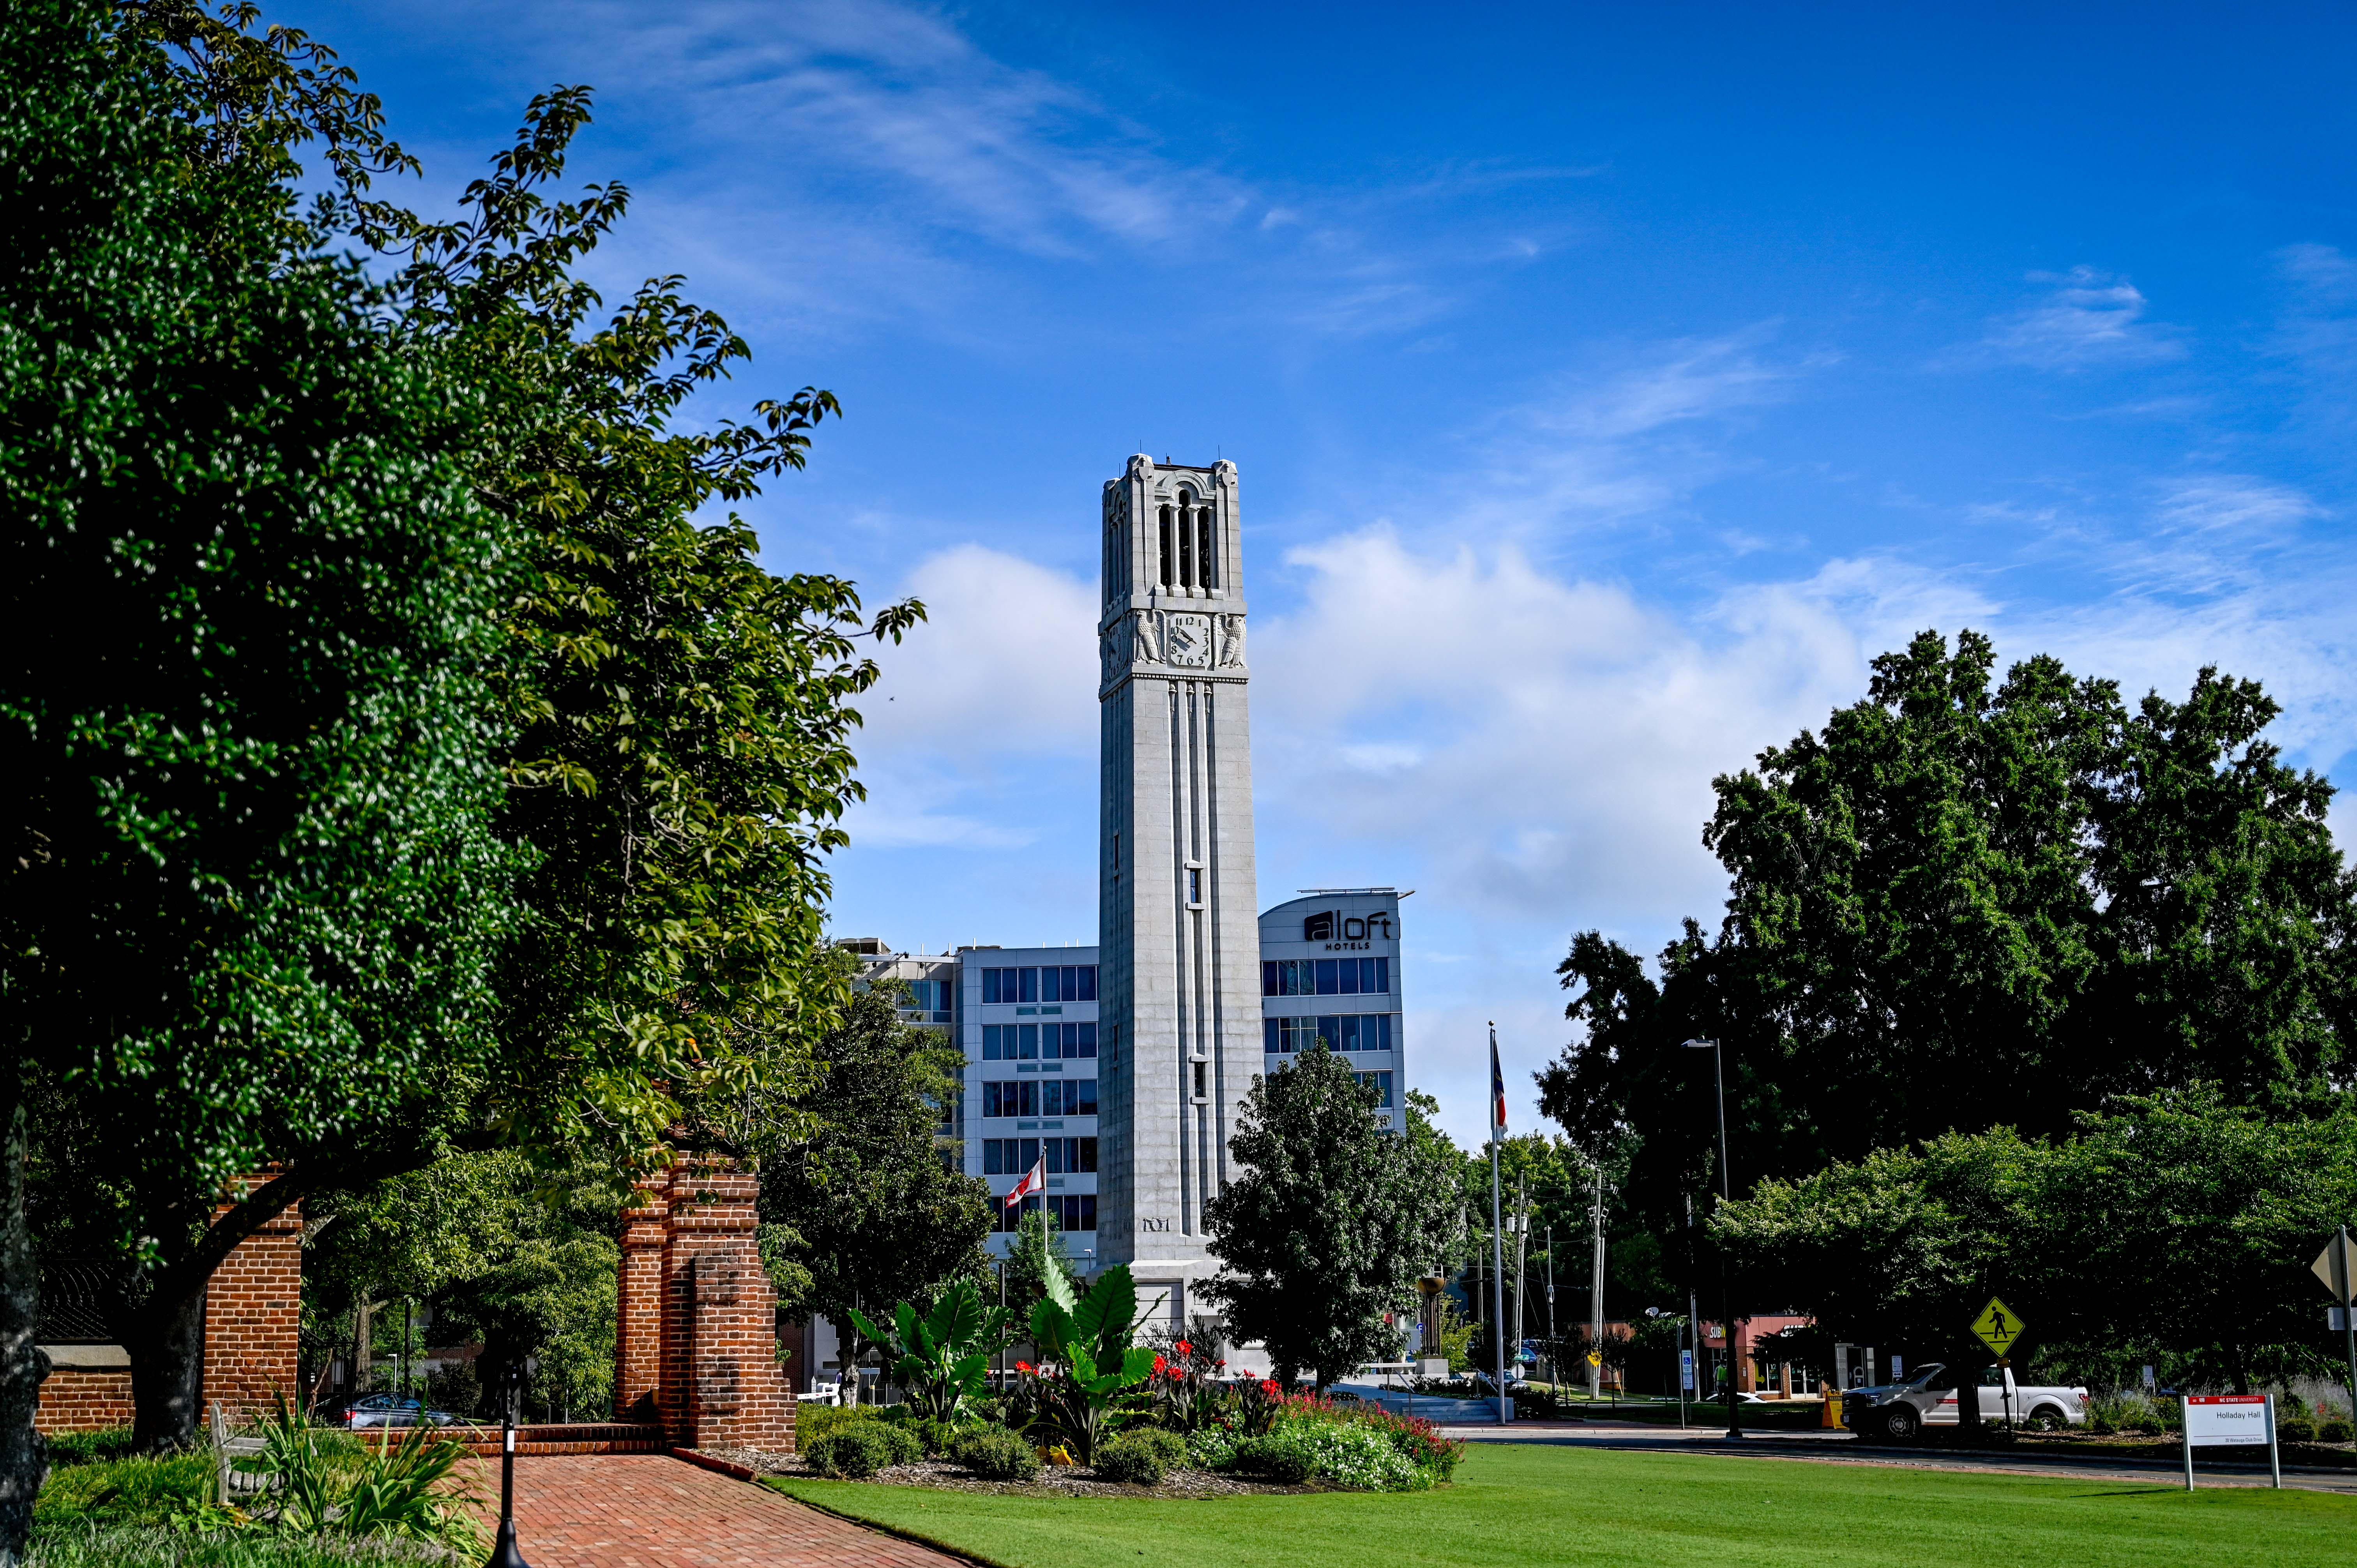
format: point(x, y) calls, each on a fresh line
point(635, 1510)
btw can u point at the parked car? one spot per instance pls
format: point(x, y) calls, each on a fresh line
point(391, 1410)
point(1900, 1411)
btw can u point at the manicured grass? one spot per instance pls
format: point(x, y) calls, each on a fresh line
point(1517, 1505)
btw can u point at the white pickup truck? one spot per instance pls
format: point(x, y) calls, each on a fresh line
point(1900, 1411)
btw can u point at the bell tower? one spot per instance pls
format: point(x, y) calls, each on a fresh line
point(1178, 936)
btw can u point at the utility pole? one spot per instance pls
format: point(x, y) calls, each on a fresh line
point(1595, 1292)
point(1521, 1255)
point(1554, 1372)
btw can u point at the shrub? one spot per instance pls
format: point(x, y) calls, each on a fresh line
point(1141, 1457)
point(2296, 1429)
point(2333, 1429)
point(813, 1421)
point(1213, 1447)
point(854, 1450)
point(995, 1454)
point(932, 1436)
point(1276, 1455)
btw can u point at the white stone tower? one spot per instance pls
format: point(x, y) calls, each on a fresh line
point(1179, 938)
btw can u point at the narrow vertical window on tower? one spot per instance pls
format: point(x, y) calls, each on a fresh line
point(1186, 539)
point(1165, 579)
point(1205, 550)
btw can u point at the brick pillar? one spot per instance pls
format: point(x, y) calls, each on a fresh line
point(722, 1386)
point(638, 1311)
point(254, 1317)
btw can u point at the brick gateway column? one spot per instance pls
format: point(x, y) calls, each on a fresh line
point(695, 1347)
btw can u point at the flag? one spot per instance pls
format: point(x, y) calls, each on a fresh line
point(1033, 1181)
point(1497, 1085)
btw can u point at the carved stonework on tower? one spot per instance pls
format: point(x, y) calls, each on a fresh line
point(1180, 987)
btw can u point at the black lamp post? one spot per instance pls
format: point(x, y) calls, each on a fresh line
point(1725, 1194)
point(503, 1551)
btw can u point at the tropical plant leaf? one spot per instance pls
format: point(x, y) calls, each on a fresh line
point(869, 1331)
point(1111, 1305)
point(904, 1318)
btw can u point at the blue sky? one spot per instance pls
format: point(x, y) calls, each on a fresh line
point(1608, 384)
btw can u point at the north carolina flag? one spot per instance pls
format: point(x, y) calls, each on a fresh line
point(1033, 1181)
point(1497, 1085)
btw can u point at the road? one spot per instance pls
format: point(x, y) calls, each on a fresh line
point(1843, 1448)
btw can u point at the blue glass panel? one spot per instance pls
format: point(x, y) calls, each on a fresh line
point(990, 1042)
point(1268, 1035)
point(1087, 1092)
point(1087, 1045)
point(1327, 980)
point(1088, 983)
point(1028, 1035)
point(1031, 984)
point(1347, 971)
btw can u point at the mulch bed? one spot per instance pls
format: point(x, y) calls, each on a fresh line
point(1054, 1480)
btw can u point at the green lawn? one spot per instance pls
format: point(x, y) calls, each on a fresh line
point(1515, 1505)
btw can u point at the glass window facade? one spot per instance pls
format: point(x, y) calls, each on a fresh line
point(1325, 977)
point(1073, 1211)
point(1049, 983)
point(1065, 1156)
point(1039, 1042)
point(1381, 1083)
point(1340, 1032)
point(1041, 1096)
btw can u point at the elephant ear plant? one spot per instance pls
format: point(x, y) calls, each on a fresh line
point(1090, 1339)
point(942, 1359)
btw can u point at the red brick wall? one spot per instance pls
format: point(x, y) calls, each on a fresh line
point(253, 1314)
point(697, 1340)
point(76, 1400)
point(639, 1308)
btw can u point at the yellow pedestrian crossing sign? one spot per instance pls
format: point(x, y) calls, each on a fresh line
point(1997, 1326)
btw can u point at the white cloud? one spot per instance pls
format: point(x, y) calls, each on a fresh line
point(2088, 318)
point(998, 683)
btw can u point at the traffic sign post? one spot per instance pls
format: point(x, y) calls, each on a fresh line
point(1999, 1327)
point(2334, 1267)
point(2231, 1421)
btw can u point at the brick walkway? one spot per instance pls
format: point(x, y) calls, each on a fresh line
point(648, 1510)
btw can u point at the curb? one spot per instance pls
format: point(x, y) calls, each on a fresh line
point(719, 1466)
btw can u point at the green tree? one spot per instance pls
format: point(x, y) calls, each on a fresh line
point(860, 1207)
point(2175, 1222)
point(1965, 904)
point(1328, 1222)
point(671, 720)
point(255, 895)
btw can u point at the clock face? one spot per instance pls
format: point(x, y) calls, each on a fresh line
point(1191, 641)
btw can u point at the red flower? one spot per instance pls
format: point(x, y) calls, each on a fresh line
point(1160, 1364)
point(1023, 1366)
point(1184, 1348)
point(1219, 1363)
point(1268, 1387)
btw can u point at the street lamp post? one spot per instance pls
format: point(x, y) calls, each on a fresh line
point(1726, 1194)
point(503, 1551)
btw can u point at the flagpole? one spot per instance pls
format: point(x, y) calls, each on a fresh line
point(1497, 1240)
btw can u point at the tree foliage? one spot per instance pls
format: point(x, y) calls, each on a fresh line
point(1328, 1222)
point(2175, 1227)
point(256, 892)
point(529, 767)
point(1969, 903)
point(859, 1207)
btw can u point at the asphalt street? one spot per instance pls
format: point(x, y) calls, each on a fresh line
point(1843, 1448)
